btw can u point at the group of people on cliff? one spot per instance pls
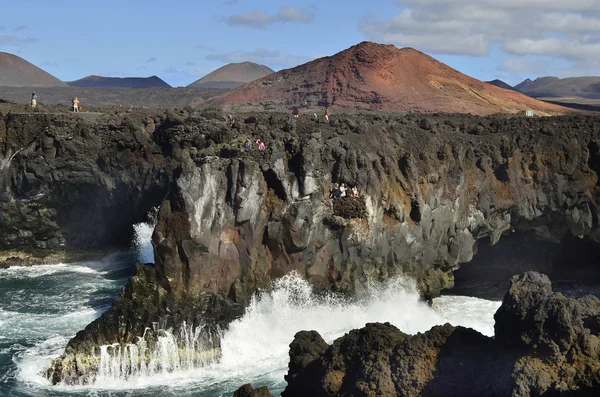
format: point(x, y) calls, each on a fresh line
point(296, 114)
point(260, 145)
point(342, 190)
point(74, 102)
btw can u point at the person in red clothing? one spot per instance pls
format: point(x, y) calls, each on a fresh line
point(327, 114)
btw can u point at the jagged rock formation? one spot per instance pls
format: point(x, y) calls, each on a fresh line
point(70, 188)
point(119, 82)
point(17, 72)
point(545, 344)
point(237, 218)
point(379, 77)
point(232, 75)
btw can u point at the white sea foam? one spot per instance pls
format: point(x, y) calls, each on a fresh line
point(255, 347)
point(142, 238)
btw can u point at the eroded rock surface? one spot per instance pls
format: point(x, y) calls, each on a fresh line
point(545, 344)
point(69, 188)
point(235, 218)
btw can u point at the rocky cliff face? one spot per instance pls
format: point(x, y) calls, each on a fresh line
point(70, 188)
point(431, 187)
point(545, 344)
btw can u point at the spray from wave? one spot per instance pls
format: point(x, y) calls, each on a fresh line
point(255, 347)
point(142, 238)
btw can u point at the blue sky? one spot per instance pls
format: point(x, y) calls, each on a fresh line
point(184, 40)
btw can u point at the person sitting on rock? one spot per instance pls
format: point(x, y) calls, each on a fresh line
point(296, 112)
point(247, 144)
point(354, 191)
point(261, 145)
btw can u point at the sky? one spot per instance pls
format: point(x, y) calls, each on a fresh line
point(181, 41)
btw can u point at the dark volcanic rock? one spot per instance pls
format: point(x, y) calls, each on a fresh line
point(68, 187)
point(545, 344)
point(248, 391)
point(236, 218)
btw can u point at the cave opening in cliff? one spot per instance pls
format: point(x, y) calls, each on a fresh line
point(570, 262)
point(415, 211)
point(274, 184)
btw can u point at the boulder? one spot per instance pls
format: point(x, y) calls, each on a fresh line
point(545, 344)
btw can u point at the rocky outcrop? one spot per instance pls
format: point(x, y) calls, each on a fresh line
point(237, 218)
point(70, 188)
point(545, 344)
point(248, 391)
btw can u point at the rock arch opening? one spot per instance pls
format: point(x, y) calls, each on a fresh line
point(572, 263)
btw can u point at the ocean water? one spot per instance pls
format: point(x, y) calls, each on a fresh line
point(42, 307)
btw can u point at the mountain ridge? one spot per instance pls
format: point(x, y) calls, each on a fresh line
point(95, 81)
point(232, 75)
point(372, 76)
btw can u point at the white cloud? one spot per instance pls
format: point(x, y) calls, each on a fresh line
point(569, 30)
point(261, 20)
point(261, 56)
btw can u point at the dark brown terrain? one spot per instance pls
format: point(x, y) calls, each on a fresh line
point(17, 72)
point(232, 75)
point(119, 82)
point(380, 77)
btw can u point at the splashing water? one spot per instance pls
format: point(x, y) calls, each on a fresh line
point(54, 302)
point(191, 348)
point(142, 238)
point(255, 347)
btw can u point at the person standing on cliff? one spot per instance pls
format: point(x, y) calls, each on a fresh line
point(76, 105)
point(327, 114)
point(33, 100)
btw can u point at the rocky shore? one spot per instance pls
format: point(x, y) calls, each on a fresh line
point(233, 219)
point(544, 345)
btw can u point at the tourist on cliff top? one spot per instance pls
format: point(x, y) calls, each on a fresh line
point(261, 145)
point(75, 104)
point(327, 114)
point(33, 100)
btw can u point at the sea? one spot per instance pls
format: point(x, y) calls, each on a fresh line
point(42, 307)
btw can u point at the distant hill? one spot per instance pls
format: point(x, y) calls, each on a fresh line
point(553, 87)
point(501, 84)
point(119, 82)
point(232, 75)
point(17, 72)
point(380, 77)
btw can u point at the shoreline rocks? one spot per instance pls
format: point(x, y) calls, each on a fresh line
point(233, 219)
point(544, 344)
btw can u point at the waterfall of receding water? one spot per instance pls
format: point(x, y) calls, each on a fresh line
point(160, 352)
